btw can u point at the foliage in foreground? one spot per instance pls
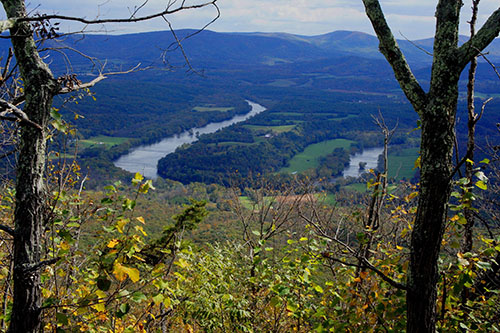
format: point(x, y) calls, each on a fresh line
point(295, 272)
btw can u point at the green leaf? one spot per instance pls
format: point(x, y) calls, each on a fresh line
point(158, 299)
point(62, 318)
point(103, 283)
point(318, 289)
point(138, 297)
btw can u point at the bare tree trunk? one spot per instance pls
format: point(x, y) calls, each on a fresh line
point(39, 86)
point(471, 145)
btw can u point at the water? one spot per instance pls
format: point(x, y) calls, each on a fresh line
point(144, 159)
point(369, 156)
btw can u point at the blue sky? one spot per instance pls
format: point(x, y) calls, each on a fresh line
point(411, 18)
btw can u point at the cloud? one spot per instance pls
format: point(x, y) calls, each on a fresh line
point(414, 18)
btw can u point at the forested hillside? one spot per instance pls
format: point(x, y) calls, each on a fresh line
point(319, 88)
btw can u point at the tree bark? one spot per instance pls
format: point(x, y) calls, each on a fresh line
point(437, 111)
point(39, 87)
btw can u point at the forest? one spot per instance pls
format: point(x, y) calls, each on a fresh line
point(251, 228)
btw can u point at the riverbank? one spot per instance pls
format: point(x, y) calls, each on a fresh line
point(144, 159)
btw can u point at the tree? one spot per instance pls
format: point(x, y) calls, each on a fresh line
point(437, 111)
point(39, 87)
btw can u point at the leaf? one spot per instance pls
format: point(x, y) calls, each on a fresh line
point(62, 318)
point(103, 283)
point(158, 299)
point(121, 272)
point(141, 230)
point(481, 185)
point(112, 243)
point(140, 219)
point(417, 163)
point(120, 224)
point(138, 297)
point(137, 178)
point(318, 289)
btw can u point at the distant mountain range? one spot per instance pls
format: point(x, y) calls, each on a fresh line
point(209, 48)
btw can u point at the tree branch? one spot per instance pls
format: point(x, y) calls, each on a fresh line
point(167, 11)
point(41, 264)
point(9, 108)
point(390, 49)
point(7, 229)
point(99, 78)
point(6, 24)
point(488, 32)
point(67, 90)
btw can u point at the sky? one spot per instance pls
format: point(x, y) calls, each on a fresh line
point(413, 19)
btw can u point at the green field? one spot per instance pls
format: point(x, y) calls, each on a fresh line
point(108, 141)
point(275, 129)
point(308, 159)
point(402, 165)
point(211, 109)
point(358, 187)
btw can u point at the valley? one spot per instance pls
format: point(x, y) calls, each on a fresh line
point(316, 89)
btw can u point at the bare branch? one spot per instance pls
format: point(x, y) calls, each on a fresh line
point(41, 264)
point(488, 32)
point(99, 78)
point(6, 24)
point(9, 108)
point(470, 149)
point(7, 229)
point(384, 277)
point(390, 49)
point(167, 11)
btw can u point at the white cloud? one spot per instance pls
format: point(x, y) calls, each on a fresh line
point(414, 18)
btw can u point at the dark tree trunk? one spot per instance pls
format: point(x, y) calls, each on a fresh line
point(39, 86)
point(437, 111)
point(436, 154)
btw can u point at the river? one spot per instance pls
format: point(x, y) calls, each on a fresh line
point(144, 159)
point(369, 156)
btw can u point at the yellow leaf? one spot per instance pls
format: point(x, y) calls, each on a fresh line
point(121, 272)
point(64, 245)
point(399, 247)
point(133, 274)
point(417, 163)
point(141, 219)
point(139, 228)
point(112, 243)
point(120, 224)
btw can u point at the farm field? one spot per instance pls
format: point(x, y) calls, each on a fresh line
point(107, 141)
point(212, 109)
point(402, 165)
point(308, 159)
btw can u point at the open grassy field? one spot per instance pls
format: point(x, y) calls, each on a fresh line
point(403, 164)
point(108, 141)
point(359, 187)
point(308, 159)
point(275, 129)
point(211, 109)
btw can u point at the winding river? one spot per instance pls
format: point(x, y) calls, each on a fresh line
point(369, 156)
point(144, 159)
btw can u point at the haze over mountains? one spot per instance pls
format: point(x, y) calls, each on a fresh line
point(236, 49)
